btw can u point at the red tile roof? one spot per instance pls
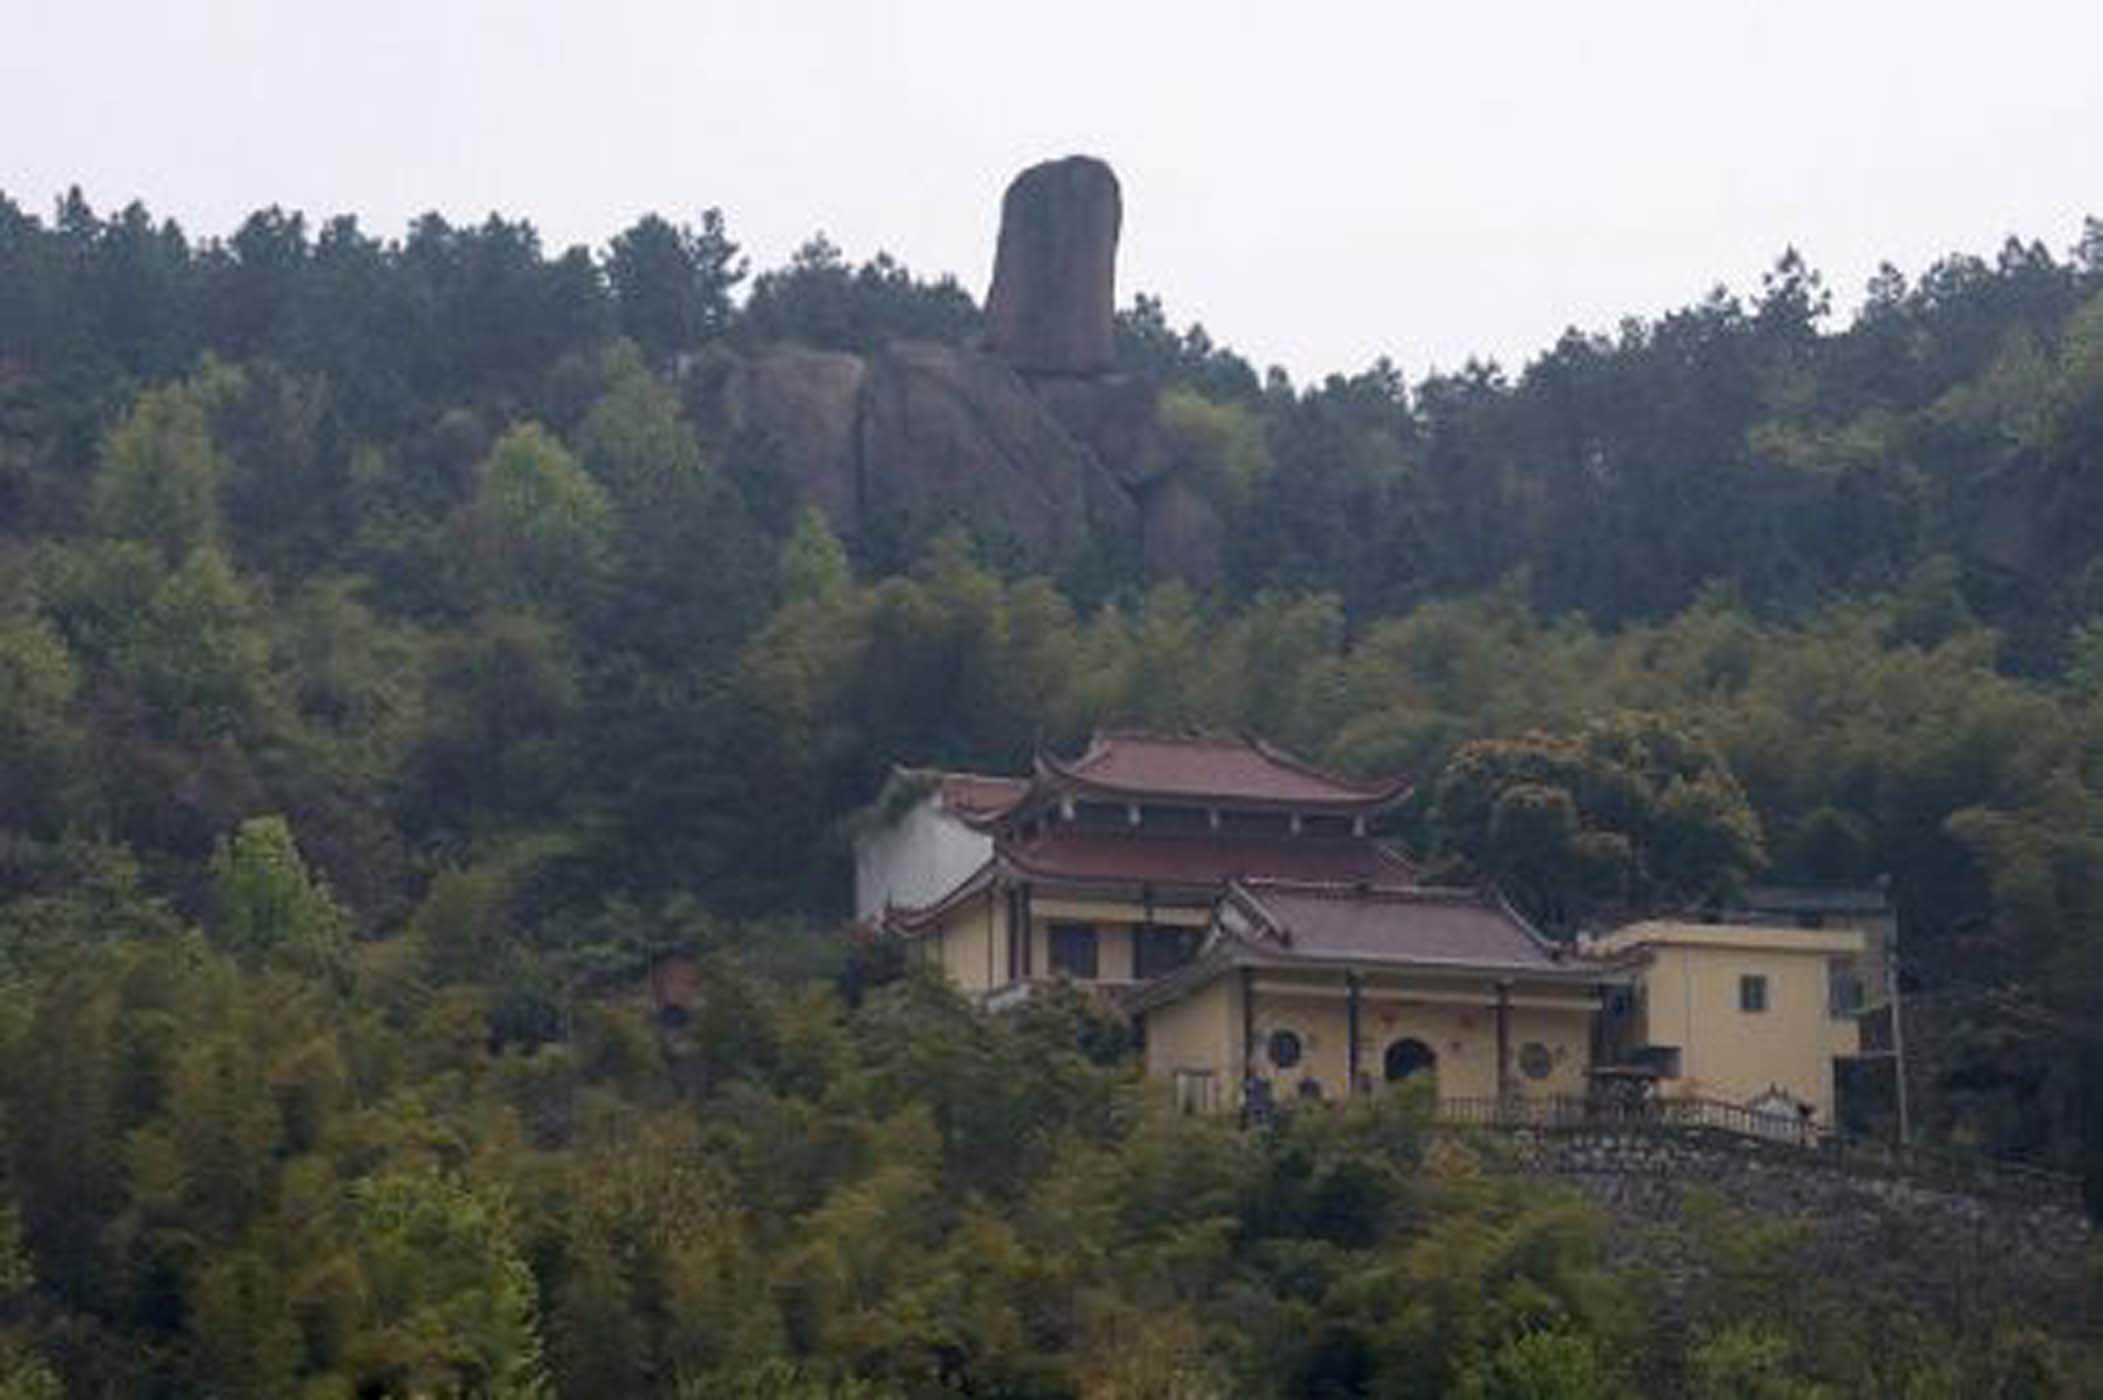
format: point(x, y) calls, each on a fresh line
point(1388, 924)
point(1137, 858)
point(1200, 767)
point(981, 796)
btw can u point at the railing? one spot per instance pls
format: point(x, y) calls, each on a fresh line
point(1796, 1135)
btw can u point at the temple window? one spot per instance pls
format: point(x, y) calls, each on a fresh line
point(1157, 951)
point(1845, 994)
point(1176, 819)
point(1752, 993)
point(1073, 949)
point(1255, 823)
point(1194, 1090)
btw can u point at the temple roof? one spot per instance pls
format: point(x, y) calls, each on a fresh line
point(979, 797)
point(1348, 927)
point(1060, 853)
point(1203, 769)
point(1404, 925)
point(1168, 865)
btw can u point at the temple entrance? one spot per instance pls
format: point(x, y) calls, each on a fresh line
point(1408, 1058)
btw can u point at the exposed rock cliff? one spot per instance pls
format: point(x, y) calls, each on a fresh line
point(1032, 441)
point(949, 434)
point(1054, 293)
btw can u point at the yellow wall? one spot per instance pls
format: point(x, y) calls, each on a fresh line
point(1115, 911)
point(1457, 1020)
point(971, 945)
point(1113, 947)
point(1567, 1033)
point(1114, 926)
point(1689, 996)
point(978, 927)
point(1201, 1031)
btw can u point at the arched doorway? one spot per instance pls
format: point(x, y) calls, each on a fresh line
point(1406, 1059)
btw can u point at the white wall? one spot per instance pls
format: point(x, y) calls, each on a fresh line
point(916, 860)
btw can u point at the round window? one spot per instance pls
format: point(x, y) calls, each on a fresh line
point(1534, 1060)
point(1285, 1049)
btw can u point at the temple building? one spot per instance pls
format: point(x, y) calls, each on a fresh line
point(1235, 901)
point(1105, 870)
point(1317, 990)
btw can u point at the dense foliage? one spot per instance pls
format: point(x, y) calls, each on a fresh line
point(394, 661)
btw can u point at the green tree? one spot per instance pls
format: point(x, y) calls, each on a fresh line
point(672, 284)
point(42, 747)
point(264, 898)
point(1542, 1365)
point(448, 1307)
point(541, 531)
point(814, 566)
point(160, 472)
point(1630, 809)
point(199, 660)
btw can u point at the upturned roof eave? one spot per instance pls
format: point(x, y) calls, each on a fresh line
point(1248, 895)
point(1057, 777)
point(1059, 782)
point(1233, 952)
point(1019, 866)
point(1554, 972)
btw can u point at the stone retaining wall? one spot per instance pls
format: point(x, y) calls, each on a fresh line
point(1953, 1251)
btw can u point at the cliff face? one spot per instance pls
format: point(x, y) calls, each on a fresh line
point(1032, 440)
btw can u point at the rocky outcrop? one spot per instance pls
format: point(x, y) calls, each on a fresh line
point(809, 404)
point(1114, 417)
point(950, 436)
point(1031, 442)
point(1054, 288)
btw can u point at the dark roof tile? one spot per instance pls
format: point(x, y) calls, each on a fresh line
point(1137, 858)
point(1201, 767)
point(1404, 925)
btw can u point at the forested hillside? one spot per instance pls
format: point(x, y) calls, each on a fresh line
point(397, 651)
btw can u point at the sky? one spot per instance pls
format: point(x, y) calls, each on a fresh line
point(1319, 184)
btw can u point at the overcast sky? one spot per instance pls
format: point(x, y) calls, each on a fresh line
point(1318, 183)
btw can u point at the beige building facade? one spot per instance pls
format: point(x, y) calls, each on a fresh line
point(1104, 870)
point(1231, 899)
point(1753, 1014)
point(1308, 991)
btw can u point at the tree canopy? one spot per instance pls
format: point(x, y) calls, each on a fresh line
point(396, 663)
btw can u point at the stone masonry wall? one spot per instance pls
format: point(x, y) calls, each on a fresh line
point(1954, 1251)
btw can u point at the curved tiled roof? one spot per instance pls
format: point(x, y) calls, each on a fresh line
point(1412, 925)
point(1202, 768)
point(1061, 853)
point(981, 796)
point(1205, 865)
